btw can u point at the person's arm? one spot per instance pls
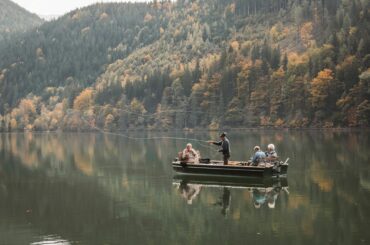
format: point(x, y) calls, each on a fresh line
point(195, 153)
point(184, 154)
point(214, 142)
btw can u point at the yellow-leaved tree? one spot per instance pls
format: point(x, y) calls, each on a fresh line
point(325, 90)
point(306, 34)
point(84, 100)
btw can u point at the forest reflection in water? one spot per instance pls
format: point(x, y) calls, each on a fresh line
point(94, 188)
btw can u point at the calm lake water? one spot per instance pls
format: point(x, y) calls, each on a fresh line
point(91, 188)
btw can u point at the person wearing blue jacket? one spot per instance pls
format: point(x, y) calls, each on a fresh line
point(258, 156)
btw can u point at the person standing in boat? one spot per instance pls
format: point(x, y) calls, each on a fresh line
point(271, 154)
point(225, 147)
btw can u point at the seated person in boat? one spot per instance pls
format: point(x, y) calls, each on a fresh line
point(189, 154)
point(258, 156)
point(271, 154)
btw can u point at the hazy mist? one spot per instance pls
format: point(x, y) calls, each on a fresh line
point(57, 7)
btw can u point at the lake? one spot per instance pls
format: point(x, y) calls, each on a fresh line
point(94, 188)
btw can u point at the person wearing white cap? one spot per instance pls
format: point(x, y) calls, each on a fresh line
point(189, 154)
point(271, 154)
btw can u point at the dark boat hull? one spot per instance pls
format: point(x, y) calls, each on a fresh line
point(229, 170)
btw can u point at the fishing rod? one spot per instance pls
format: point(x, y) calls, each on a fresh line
point(198, 141)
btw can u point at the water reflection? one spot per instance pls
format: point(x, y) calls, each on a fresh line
point(268, 195)
point(101, 189)
point(263, 191)
point(224, 201)
point(51, 240)
point(188, 191)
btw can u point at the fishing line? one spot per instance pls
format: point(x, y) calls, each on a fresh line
point(198, 141)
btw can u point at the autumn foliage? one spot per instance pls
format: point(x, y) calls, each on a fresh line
point(191, 64)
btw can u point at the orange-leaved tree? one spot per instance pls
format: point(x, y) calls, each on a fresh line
point(325, 90)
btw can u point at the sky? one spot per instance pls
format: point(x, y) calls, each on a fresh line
point(59, 7)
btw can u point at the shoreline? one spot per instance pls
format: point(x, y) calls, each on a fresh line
point(195, 130)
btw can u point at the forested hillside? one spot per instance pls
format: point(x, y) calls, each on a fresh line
point(191, 64)
point(13, 19)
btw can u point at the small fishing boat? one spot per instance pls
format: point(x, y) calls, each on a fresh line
point(233, 169)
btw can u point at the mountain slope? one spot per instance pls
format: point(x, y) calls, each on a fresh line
point(72, 50)
point(14, 18)
point(204, 63)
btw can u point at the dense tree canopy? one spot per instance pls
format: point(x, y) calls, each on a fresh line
point(189, 64)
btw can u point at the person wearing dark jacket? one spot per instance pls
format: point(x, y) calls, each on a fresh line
point(225, 147)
